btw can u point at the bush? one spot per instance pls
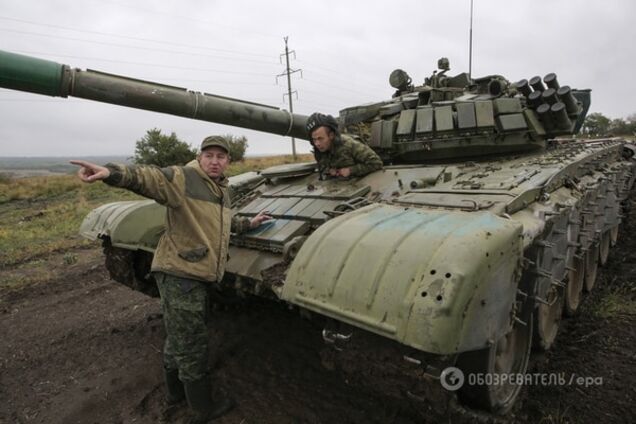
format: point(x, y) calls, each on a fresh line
point(238, 146)
point(162, 150)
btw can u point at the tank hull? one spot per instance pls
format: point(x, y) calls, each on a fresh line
point(436, 269)
point(445, 271)
point(459, 255)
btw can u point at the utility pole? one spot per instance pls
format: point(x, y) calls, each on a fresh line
point(288, 72)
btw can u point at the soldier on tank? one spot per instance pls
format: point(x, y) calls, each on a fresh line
point(339, 155)
point(191, 255)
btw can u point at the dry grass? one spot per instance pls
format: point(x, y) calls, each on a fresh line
point(39, 216)
point(37, 187)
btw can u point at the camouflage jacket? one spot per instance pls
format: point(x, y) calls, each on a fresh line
point(198, 217)
point(348, 153)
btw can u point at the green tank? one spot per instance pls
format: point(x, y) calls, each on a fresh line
point(482, 230)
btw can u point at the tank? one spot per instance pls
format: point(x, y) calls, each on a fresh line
point(460, 257)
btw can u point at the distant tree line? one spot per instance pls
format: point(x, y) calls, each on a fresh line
point(598, 125)
point(162, 150)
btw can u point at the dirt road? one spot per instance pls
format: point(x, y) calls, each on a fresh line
point(79, 348)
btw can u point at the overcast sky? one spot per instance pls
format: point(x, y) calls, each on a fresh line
point(346, 50)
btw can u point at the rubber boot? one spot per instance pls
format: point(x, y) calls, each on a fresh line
point(204, 408)
point(175, 392)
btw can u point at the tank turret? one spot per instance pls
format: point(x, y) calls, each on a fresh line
point(453, 117)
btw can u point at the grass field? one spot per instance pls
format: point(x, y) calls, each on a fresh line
point(39, 215)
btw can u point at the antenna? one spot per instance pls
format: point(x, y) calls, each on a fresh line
point(470, 43)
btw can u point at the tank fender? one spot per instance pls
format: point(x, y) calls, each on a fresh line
point(439, 281)
point(136, 224)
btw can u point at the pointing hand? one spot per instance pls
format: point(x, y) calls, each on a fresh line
point(90, 172)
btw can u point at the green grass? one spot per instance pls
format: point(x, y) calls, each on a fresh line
point(557, 417)
point(42, 214)
point(618, 301)
point(20, 279)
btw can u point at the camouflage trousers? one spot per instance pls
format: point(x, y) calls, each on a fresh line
point(185, 307)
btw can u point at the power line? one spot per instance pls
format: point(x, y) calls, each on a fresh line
point(314, 66)
point(105, 43)
point(338, 73)
point(339, 87)
point(313, 107)
point(262, 84)
point(322, 95)
point(173, 16)
point(155, 65)
point(318, 106)
point(127, 37)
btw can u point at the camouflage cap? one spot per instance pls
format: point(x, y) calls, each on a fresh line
point(215, 140)
point(317, 120)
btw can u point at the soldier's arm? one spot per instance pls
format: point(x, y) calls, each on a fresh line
point(366, 160)
point(242, 224)
point(164, 185)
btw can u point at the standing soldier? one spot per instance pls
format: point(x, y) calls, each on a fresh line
point(191, 255)
point(339, 155)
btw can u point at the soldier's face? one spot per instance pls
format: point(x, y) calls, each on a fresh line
point(323, 137)
point(214, 161)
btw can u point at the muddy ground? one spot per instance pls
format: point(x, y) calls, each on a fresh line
point(77, 347)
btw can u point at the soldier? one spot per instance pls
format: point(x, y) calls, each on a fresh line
point(191, 255)
point(339, 155)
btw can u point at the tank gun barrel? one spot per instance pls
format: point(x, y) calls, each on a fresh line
point(25, 73)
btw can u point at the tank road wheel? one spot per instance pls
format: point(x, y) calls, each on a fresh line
point(591, 266)
point(574, 287)
point(613, 235)
point(548, 318)
point(509, 356)
point(604, 247)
